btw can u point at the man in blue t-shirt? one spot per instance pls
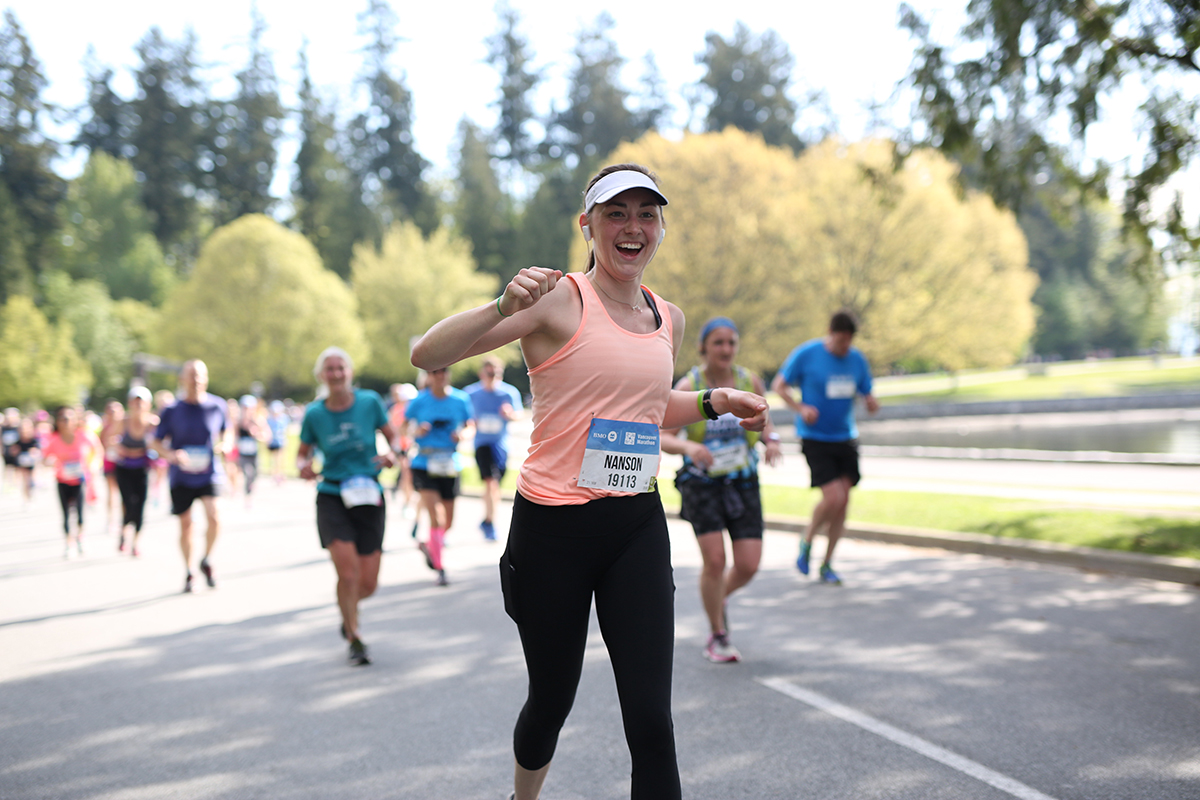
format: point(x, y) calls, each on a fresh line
point(830, 374)
point(191, 434)
point(495, 403)
point(436, 417)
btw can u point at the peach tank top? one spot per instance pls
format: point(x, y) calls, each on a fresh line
point(603, 371)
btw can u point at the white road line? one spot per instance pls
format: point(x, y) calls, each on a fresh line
point(905, 739)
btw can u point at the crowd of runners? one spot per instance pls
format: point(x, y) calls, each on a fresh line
point(587, 521)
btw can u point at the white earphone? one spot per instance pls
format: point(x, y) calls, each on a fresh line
point(662, 232)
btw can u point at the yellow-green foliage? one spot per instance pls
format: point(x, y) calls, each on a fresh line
point(409, 284)
point(779, 242)
point(39, 366)
point(260, 306)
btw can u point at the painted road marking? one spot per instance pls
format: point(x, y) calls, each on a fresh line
point(905, 739)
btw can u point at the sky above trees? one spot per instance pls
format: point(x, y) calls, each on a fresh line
point(854, 51)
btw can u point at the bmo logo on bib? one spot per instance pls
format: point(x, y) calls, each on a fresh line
point(612, 436)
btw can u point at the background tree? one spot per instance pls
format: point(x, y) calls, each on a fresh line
point(247, 134)
point(106, 233)
point(326, 195)
point(15, 276)
point(779, 242)
point(39, 367)
point(26, 153)
point(653, 107)
point(107, 127)
point(748, 80)
point(938, 277)
point(597, 116)
point(1088, 296)
point(97, 332)
point(508, 52)
point(729, 243)
point(1044, 59)
point(406, 286)
point(482, 212)
point(384, 154)
point(168, 140)
point(259, 306)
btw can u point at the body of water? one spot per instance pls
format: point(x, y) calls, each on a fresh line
point(1174, 437)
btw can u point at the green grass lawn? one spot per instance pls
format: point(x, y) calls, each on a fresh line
point(1112, 378)
point(1020, 519)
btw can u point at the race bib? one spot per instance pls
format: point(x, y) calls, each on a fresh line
point(247, 445)
point(71, 471)
point(361, 491)
point(198, 459)
point(25, 459)
point(729, 455)
point(622, 456)
point(840, 387)
point(490, 424)
point(11, 437)
point(441, 465)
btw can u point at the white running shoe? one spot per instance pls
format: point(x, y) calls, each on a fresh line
point(720, 651)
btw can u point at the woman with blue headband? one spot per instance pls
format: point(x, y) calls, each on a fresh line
point(718, 483)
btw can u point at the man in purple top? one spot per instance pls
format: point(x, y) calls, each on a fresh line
point(191, 433)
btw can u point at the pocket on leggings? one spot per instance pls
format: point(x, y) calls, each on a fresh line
point(507, 586)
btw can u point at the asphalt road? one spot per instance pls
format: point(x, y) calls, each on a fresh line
point(929, 675)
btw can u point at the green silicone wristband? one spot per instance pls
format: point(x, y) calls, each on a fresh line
point(506, 316)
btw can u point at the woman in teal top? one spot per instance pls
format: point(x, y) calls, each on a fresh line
point(350, 507)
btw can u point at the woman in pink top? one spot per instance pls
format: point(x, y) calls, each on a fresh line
point(70, 448)
point(587, 520)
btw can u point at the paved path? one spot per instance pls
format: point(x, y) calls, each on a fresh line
point(929, 676)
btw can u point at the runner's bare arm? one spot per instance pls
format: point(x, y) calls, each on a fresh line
point(511, 316)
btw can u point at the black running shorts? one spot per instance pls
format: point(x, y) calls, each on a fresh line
point(362, 525)
point(828, 461)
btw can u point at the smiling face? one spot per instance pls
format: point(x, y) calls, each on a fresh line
point(626, 231)
point(335, 373)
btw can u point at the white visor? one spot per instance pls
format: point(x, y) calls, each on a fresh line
point(614, 183)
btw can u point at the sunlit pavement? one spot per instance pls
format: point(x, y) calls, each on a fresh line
point(927, 676)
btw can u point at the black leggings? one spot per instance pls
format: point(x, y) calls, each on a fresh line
point(132, 481)
point(557, 558)
point(67, 494)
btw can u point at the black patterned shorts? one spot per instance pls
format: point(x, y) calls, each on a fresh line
point(712, 506)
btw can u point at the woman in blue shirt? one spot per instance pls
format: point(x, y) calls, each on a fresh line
point(350, 507)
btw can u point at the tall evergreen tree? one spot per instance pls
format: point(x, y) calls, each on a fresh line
point(26, 153)
point(171, 119)
point(107, 126)
point(247, 133)
point(483, 214)
point(748, 79)
point(653, 106)
point(327, 196)
point(597, 117)
point(508, 52)
point(15, 275)
point(385, 155)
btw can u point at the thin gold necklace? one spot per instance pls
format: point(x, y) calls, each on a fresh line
point(637, 308)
